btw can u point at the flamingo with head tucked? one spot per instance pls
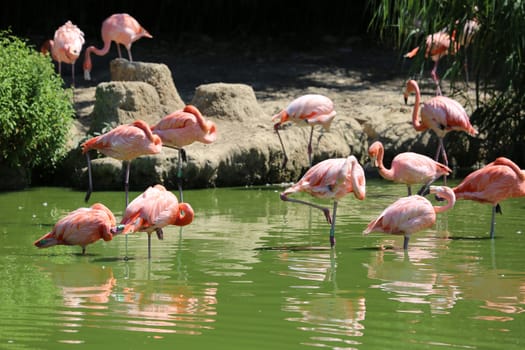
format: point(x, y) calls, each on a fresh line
point(439, 114)
point(81, 227)
point(123, 30)
point(125, 142)
point(492, 184)
point(307, 110)
point(152, 210)
point(182, 128)
point(331, 178)
point(411, 214)
point(65, 46)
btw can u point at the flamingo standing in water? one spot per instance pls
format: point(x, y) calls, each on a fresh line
point(125, 142)
point(81, 227)
point(440, 114)
point(307, 110)
point(411, 214)
point(65, 46)
point(408, 168)
point(151, 211)
point(331, 178)
point(123, 30)
point(182, 128)
point(492, 184)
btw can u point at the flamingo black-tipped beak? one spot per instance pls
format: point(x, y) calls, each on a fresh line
point(406, 99)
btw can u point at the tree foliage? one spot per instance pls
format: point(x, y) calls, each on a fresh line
point(495, 59)
point(35, 110)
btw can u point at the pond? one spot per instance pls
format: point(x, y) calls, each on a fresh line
point(252, 271)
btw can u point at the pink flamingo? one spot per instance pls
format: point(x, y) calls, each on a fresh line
point(120, 28)
point(81, 227)
point(492, 184)
point(440, 114)
point(408, 168)
point(440, 44)
point(331, 178)
point(125, 142)
point(437, 46)
point(307, 110)
point(182, 128)
point(65, 46)
point(411, 214)
point(151, 211)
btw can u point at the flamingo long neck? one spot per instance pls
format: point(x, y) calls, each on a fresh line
point(147, 131)
point(98, 52)
point(200, 119)
point(186, 215)
point(385, 173)
point(357, 179)
point(415, 112)
point(451, 200)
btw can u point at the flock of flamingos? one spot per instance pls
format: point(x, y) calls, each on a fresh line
point(331, 179)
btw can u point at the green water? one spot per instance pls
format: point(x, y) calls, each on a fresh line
point(227, 282)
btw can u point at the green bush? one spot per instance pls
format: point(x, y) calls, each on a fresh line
point(35, 110)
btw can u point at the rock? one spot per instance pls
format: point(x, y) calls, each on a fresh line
point(156, 74)
point(122, 102)
point(233, 102)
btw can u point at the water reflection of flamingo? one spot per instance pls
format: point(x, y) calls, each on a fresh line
point(408, 168)
point(492, 184)
point(411, 214)
point(306, 110)
point(81, 227)
point(83, 285)
point(153, 210)
point(331, 178)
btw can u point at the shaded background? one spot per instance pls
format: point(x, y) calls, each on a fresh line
point(300, 23)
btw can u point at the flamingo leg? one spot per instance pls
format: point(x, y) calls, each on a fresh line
point(126, 188)
point(182, 155)
point(435, 77)
point(409, 189)
point(310, 147)
point(332, 227)
point(285, 159)
point(118, 50)
point(129, 55)
point(90, 179)
point(495, 209)
point(405, 242)
point(83, 250)
point(73, 74)
point(149, 245)
point(326, 211)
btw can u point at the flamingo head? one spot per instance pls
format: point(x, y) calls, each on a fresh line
point(373, 151)
point(411, 87)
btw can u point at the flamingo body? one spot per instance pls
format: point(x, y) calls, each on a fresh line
point(121, 28)
point(408, 168)
point(492, 184)
point(182, 128)
point(81, 227)
point(332, 179)
point(125, 142)
point(306, 110)
point(411, 214)
point(154, 209)
point(66, 46)
point(440, 114)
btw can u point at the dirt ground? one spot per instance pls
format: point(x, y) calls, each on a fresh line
point(357, 78)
